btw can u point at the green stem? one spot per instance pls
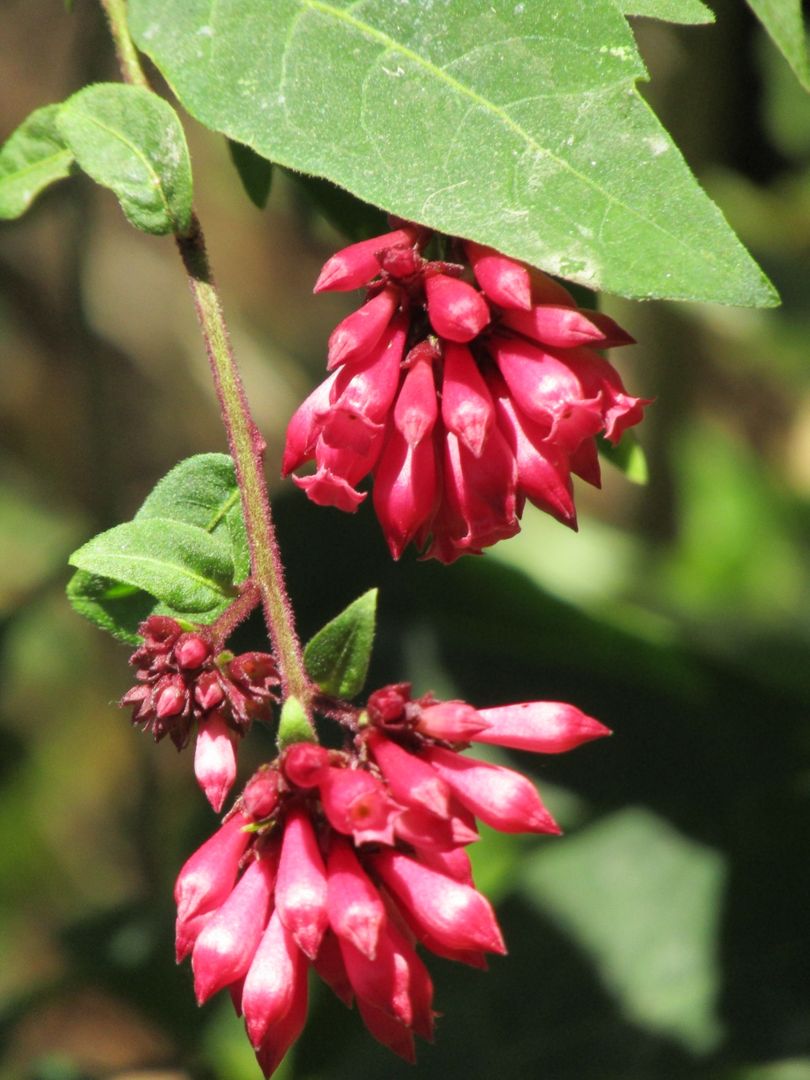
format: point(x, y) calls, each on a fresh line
point(128, 60)
point(246, 444)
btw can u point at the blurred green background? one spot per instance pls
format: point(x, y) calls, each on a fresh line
point(668, 934)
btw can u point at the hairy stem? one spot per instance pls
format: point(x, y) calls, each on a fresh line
point(245, 442)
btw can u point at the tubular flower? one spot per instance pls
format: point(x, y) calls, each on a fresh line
point(351, 860)
point(185, 685)
point(464, 388)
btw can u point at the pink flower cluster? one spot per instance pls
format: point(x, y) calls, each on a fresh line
point(349, 860)
point(186, 684)
point(465, 388)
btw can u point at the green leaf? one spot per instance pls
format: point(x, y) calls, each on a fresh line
point(294, 725)
point(131, 141)
point(784, 22)
point(355, 219)
point(202, 491)
point(31, 159)
point(515, 124)
point(628, 456)
point(644, 903)
point(676, 11)
point(255, 172)
point(182, 565)
point(337, 657)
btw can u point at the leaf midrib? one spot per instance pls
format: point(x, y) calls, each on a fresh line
point(149, 560)
point(34, 165)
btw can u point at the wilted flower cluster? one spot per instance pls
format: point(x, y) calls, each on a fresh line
point(465, 388)
point(348, 860)
point(186, 684)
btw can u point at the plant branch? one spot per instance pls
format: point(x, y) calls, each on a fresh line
point(246, 443)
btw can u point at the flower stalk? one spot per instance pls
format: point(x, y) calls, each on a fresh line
point(244, 439)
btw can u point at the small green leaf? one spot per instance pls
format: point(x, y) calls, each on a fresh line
point(628, 456)
point(202, 491)
point(294, 724)
point(337, 657)
point(784, 22)
point(131, 141)
point(676, 11)
point(357, 220)
point(255, 172)
point(31, 159)
point(182, 565)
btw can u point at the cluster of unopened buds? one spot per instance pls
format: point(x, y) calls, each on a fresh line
point(464, 387)
point(188, 685)
point(348, 860)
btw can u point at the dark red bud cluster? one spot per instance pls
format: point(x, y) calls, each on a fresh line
point(183, 679)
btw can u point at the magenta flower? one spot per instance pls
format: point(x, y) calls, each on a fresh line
point(186, 685)
point(464, 388)
point(352, 860)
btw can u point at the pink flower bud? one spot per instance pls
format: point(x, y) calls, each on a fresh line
point(305, 426)
point(420, 984)
point(215, 759)
point(301, 886)
point(357, 264)
point(584, 462)
point(546, 727)
point(270, 981)
point(186, 932)
point(557, 325)
point(425, 831)
point(417, 408)
point(159, 633)
point(388, 1031)
point(598, 376)
point(357, 804)
point(191, 651)
point(467, 407)
point(356, 911)
point(410, 779)
point(547, 290)
point(283, 1034)
point(455, 864)
point(329, 965)
point(225, 948)
point(305, 764)
point(208, 876)
point(260, 797)
point(455, 914)
point(405, 489)
point(456, 310)
point(208, 692)
point(451, 721)
point(543, 470)
point(504, 281)
point(383, 982)
point(355, 337)
point(388, 705)
point(170, 696)
point(500, 797)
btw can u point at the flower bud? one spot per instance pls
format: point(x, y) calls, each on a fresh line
point(357, 264)
point(504, 281)
point(191, 651)
point(451, 721)
point(260, 797)
point(355, 337)
point(545, 727)
point(301, 885)
point(356, 911)
point(456, 310)
point(169, 696)
point(467, 407)
point(270, 981)
point(215, 759)
point(305, 764)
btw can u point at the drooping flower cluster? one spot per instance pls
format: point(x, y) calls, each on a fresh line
point(186, 684)
point(465, 388)
point(349, 860)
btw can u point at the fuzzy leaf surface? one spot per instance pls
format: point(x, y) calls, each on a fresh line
point(338, 656)
point(131, 141)
point(31, 159)
point(516, 125)
point(784, 22)
point(200, 494)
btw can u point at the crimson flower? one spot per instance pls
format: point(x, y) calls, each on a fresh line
point(465, 388)
point(186, 685)
point(350, 860)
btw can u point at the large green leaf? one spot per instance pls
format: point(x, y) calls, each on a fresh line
point(131, 141)
point(32, 158)
point(515, 124)
point(784, 22)
point(677, 11)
